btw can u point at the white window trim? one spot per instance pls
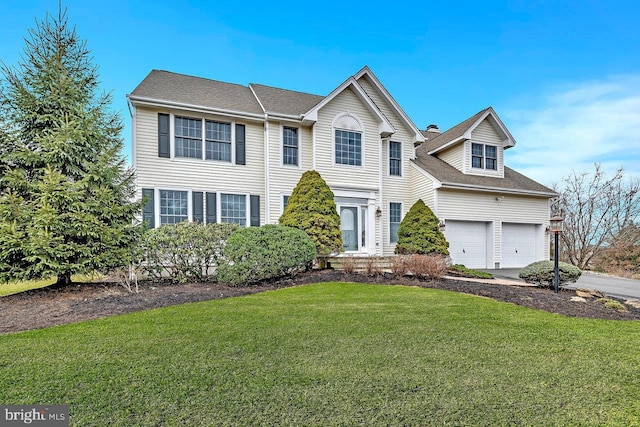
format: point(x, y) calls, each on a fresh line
point(247, 202)
point(389, 218)
point(203, 120)
point(282, 163)
point(361, 131)
point(156, 203)
point(483, 171)
point(389, 159)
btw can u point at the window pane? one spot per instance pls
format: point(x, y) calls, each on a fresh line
point(188, 137)
point(477, 150)
point(290, 146)
point(492, 164)
point(218, 141)
point(348, 148)
point(394, 158)
point(490, 151)
point(233, 209)
point(476, 162)
point(173, 207)
point(395, 217)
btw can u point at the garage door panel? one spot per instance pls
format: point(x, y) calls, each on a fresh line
point(518, 245)
point(467, 243)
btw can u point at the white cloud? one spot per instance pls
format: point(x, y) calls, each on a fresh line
point(576, 126)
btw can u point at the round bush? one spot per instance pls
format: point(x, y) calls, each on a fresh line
point(542, 273)
point(259, 253)
point(419, 232)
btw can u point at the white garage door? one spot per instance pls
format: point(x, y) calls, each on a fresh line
point(518, 245)
point(467, 243)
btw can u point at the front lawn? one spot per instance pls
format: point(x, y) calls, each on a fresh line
point(332, 354)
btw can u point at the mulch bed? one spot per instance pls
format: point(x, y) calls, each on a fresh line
point(51, 306)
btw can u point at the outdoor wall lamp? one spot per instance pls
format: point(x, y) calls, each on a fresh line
point(555, 226)
point(378, 212)
point(442, 225)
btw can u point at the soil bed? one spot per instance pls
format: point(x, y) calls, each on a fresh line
point(52, 306)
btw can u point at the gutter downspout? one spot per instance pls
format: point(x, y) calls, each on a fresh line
point(380, 249)
point(267, 180)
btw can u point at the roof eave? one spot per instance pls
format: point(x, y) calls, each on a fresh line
point(459, 186)
point(153, 102)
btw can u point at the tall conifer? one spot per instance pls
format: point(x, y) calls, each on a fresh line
point(65, 191)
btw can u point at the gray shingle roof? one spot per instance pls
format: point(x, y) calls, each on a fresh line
point(448, 175)
point(283, 101)
point(196, 91)
point(435, 142)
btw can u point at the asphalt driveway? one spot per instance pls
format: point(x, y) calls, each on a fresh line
point(614, 286)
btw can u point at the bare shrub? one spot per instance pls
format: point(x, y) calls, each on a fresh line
point(128, 278)
point(372, 266)
point(348, 265)
point(429, 267)
point(399, 265)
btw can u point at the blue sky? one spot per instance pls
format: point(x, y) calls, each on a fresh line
point(564, 76)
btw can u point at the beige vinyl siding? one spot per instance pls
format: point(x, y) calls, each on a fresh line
point(454, 156)
point(284, 178)
point(485, 132)
point(484, 207)
point(394, 188)
point(193, 174)
point(365, 176)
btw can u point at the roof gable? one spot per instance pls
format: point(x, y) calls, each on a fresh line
point(385, 127)
point(382, 91)
point(462, 132)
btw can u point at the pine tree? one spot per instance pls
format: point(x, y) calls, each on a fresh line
point(312, 209)
point(65, 192)
point(419, 232)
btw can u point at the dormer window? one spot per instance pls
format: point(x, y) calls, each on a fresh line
point(484, 156)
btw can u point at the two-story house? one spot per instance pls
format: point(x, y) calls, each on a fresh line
point(210, 151)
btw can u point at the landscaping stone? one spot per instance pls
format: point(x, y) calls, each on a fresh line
point(593, 292)
point(633, 303)
point(578, 299)
point(584, 294)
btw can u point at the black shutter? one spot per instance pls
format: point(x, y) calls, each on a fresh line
point(255, 211)
point(211, 208)
point(148, 215)
point(198, 214)
point(240, 145)
point(164, 149)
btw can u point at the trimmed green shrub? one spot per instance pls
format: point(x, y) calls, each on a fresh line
point(419, 232)
point(260, 253)
point(467, 272)
point(311, 208)
point(182, 252)
point(542, 273)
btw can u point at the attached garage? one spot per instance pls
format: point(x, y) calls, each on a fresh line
point(468, 242)
point(519, 244)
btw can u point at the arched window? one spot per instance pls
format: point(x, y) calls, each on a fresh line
point(348, 139)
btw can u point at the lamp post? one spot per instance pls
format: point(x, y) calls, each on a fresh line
point(556, 228)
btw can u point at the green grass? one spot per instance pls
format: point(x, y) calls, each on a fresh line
point(18, 286)
point(332, 354)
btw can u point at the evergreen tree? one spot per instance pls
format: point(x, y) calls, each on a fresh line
point(65, 191)
point(311, 208)
point(419, 232)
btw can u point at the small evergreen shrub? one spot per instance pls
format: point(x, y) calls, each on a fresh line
point(542, 273)
point(613, 304)
point(183, 252)
point(428, 267)
point(419, 232)
point(260, 253)
point(311, 208)
point(467, 272)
